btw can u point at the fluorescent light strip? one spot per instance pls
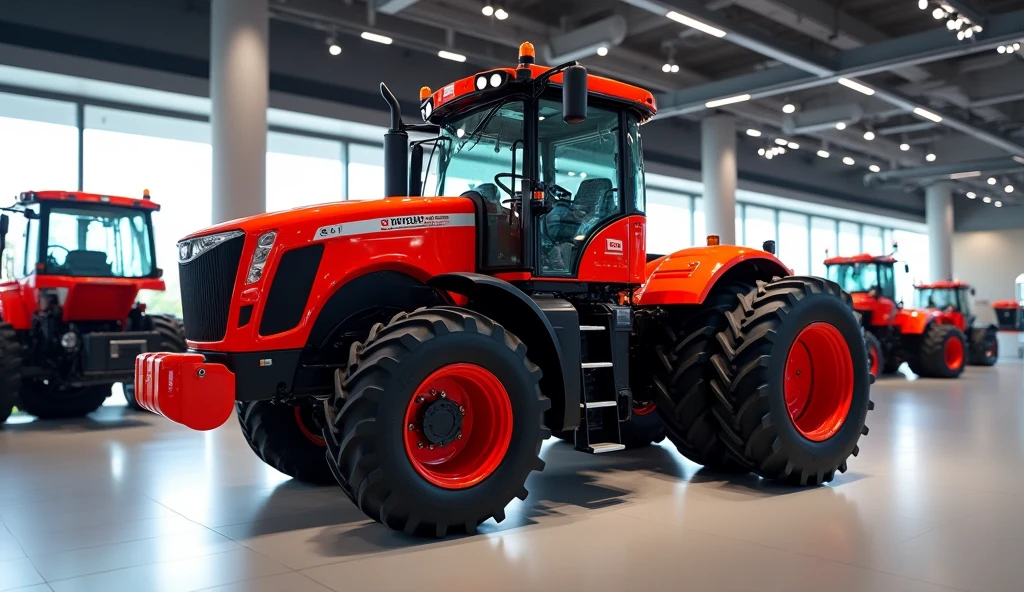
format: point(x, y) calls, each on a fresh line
point(927, 114)
point(694, 24)
point(455, 57)
point(726, 101)
point(376, 38)
point(853, 84)
point(966, 175)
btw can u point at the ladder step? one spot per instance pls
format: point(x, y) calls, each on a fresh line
point(587, 365)
point(607, 447)
point(591, 328)
point(599, 404)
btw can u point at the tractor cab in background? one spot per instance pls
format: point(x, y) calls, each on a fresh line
point(73, 264)
point(951, 302)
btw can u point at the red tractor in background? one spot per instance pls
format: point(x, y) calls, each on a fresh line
point(927, 340)
point(70, 326)
point(949, 303)
point(426, 346)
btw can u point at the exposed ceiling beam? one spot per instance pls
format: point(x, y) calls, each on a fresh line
point(956, 170)
point(905, 129)
point(392, 6)
point(968, 9)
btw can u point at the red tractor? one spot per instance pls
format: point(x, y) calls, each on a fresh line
point(428, 345)
point(928, 341)
point(70, 326)
point(950, 303)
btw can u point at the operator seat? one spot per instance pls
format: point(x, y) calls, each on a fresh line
point(592, 197)
point(87, 263)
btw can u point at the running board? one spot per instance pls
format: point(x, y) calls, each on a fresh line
point(606, 447)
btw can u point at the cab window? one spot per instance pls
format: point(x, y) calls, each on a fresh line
point(22, 249)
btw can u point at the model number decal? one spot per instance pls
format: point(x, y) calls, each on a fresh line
point(393, 224)
point(613, 246)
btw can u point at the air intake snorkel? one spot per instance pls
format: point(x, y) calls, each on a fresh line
point(396, 149)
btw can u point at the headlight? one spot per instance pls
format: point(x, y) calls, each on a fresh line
point(428, 109)
point(481, 82)
point(260, 256)
point(189, 250)
point(495, 80)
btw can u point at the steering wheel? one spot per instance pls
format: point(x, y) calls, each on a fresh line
point(51, 257)
point(558, 192)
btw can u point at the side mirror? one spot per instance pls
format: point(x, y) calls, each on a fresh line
point(416, 170)
point(906, 267)
point(574, 94)
point(5, 223)
point(973, 291)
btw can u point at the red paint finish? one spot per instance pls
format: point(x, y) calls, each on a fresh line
point(14, 307)
point(606, 258)
point(912, 321)
point(84, 298)
point(372, 241)
point(486, 428)
point(944, 285)
point(953, 353)
point(304, 419)
point(638, 249)
point(819, 381)
point(874, 359)
point(185, 389)
point(864, 258)
point(81, 196)
point(686, 276)
point(1006, 304)
point(883, 310)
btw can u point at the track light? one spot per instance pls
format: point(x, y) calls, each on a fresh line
point(789, 108)
point(849, 161)
point(487, 10)
point(840, 126)
point(971, 195)
point(332, 47)
point(930, 157)
point(904, 147)
point(602, 51)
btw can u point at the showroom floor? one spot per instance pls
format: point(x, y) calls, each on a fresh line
point(127, 501)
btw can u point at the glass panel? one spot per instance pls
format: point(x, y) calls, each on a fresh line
point(849, 239)
point(39, 147)
point(98, 241)
point(127, 152)
point(823, 243)
point(759, 226)
point(944, 298)
point(700, 233)
point(584, 159)
point(872, 241)
point(668, 222)
point(302, 171)
point(740, 235)
point(913, 251)
point(21, 252)
point(477, 152)
point(637, 160)
point(794, 249)
point(365, 172)
point(854, 277)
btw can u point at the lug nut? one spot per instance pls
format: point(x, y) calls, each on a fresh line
point(433, 392)
point(444, 395)
point(411, 427)
point(431, 447)
point(462, 410)
point(419, 444)
point(420, 399)
point(459, 436)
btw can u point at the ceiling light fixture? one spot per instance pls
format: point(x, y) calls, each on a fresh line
point(823, 153)
point(1008, 189)
point(725, 101)
point(455, 57)
point(694, 24)
point(853, 84)
point(869, 135)
point(753, 133)
point(930, 157)
point(487, 10)
point(998, 204)
point(922, 4)
point(793, 146)
point(760, 151)
point(602, 51)
point(986, 199)
point(376, 38)
point(500, 14)
point(875, 168)
point(971, 195)
point(938, 14)
point(965, 175)
point(781, 141)
point(904, 147)
point(992, 181)
point(840, 126)
point(332, 46)
point(927, 114)
point(789, 108)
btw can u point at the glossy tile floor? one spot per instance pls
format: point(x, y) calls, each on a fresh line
point(127, 501)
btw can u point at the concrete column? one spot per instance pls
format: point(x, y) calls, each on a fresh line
point(239, 75)
point(939, 216)
point(718, 172)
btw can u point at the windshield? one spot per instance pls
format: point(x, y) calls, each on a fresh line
point(98, 241)
point(941, 298)
point(473, 150)
point(863, 277)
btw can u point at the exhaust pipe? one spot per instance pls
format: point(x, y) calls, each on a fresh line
point(396, 149)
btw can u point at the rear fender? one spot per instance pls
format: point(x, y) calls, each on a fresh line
point(911, 321)
point(521, 315)
point(687, 276)
point(13, 307)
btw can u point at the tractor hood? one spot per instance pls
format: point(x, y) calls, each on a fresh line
point(312, 223)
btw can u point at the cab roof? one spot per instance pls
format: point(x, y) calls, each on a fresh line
point(143, 202)
point(943, 285)
point(863, 258)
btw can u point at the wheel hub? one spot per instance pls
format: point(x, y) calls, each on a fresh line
point(442, 422)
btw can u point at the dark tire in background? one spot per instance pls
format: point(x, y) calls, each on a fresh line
point(10, 371)
point(984, 346)
point(287, 437)
point(792, 384)
point(942, 353)
point(876, 362)
point(52, 401)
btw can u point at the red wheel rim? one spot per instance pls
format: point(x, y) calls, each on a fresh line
point(485, 433)
point(873, 358)
point(304, 417)
point(644, 408)
point(819, 381)
point(953, 352)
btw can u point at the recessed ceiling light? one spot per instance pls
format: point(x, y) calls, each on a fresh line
point(823, 153)
point(992, 181)
point(849, 161)
point(500, 14)
point(789, 108)
point(793, 146)
point(998, 204)
point(754, 133)
point(986, 199)
point(781, 141)
point(875, 168)
point(971, 195)
point(869, 135)
point(760, 151)
point(1008, 189)
point(602, 51)
point(840, 126)
point(930, 157)
point(904, 147)
point(487, 10)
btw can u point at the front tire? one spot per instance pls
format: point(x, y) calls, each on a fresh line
point(792, 382)
point(438, 423)
point(286, 437)
point(172, 339)
point(875, 355)
point(942, 353)
point(984, 346)
point(52, 401)
point(10, 370)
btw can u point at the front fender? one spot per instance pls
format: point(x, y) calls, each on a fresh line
point(687, 276)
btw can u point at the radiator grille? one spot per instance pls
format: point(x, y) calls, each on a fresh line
point(207, 283)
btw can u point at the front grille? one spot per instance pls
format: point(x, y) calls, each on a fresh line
point(207, 283)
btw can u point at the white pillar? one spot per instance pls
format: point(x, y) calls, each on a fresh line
point(239, 75)
point(939, 216)
point(718, 171)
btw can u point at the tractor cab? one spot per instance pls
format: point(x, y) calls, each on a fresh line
point(567, 142)
point(952, 298)
point(869, 279)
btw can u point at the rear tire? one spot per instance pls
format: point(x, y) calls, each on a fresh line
point(875, 361)
point(10, 370)
point(984, 346)
point(59, 402)
point(429, 490)
point(942, 353)
point(775, 419)
point(172, 339)
point(287, 438)
point(681, 384)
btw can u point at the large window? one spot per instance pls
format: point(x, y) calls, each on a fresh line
point(125, 153)
point(794, 250)
point(38, 146)
point(365, 172)
point(823, 243)
point(872, 241)
point(303, 171)
point(913, 251)
point(668, 222)
point(759, 226)
point(849, 239)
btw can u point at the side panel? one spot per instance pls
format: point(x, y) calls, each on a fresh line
point(686, 277)
point(638, 249)
point(882, 310)
point(912, 321)
point(13, 308)
point(606, 258)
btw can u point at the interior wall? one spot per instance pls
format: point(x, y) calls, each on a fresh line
point(990, 261)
